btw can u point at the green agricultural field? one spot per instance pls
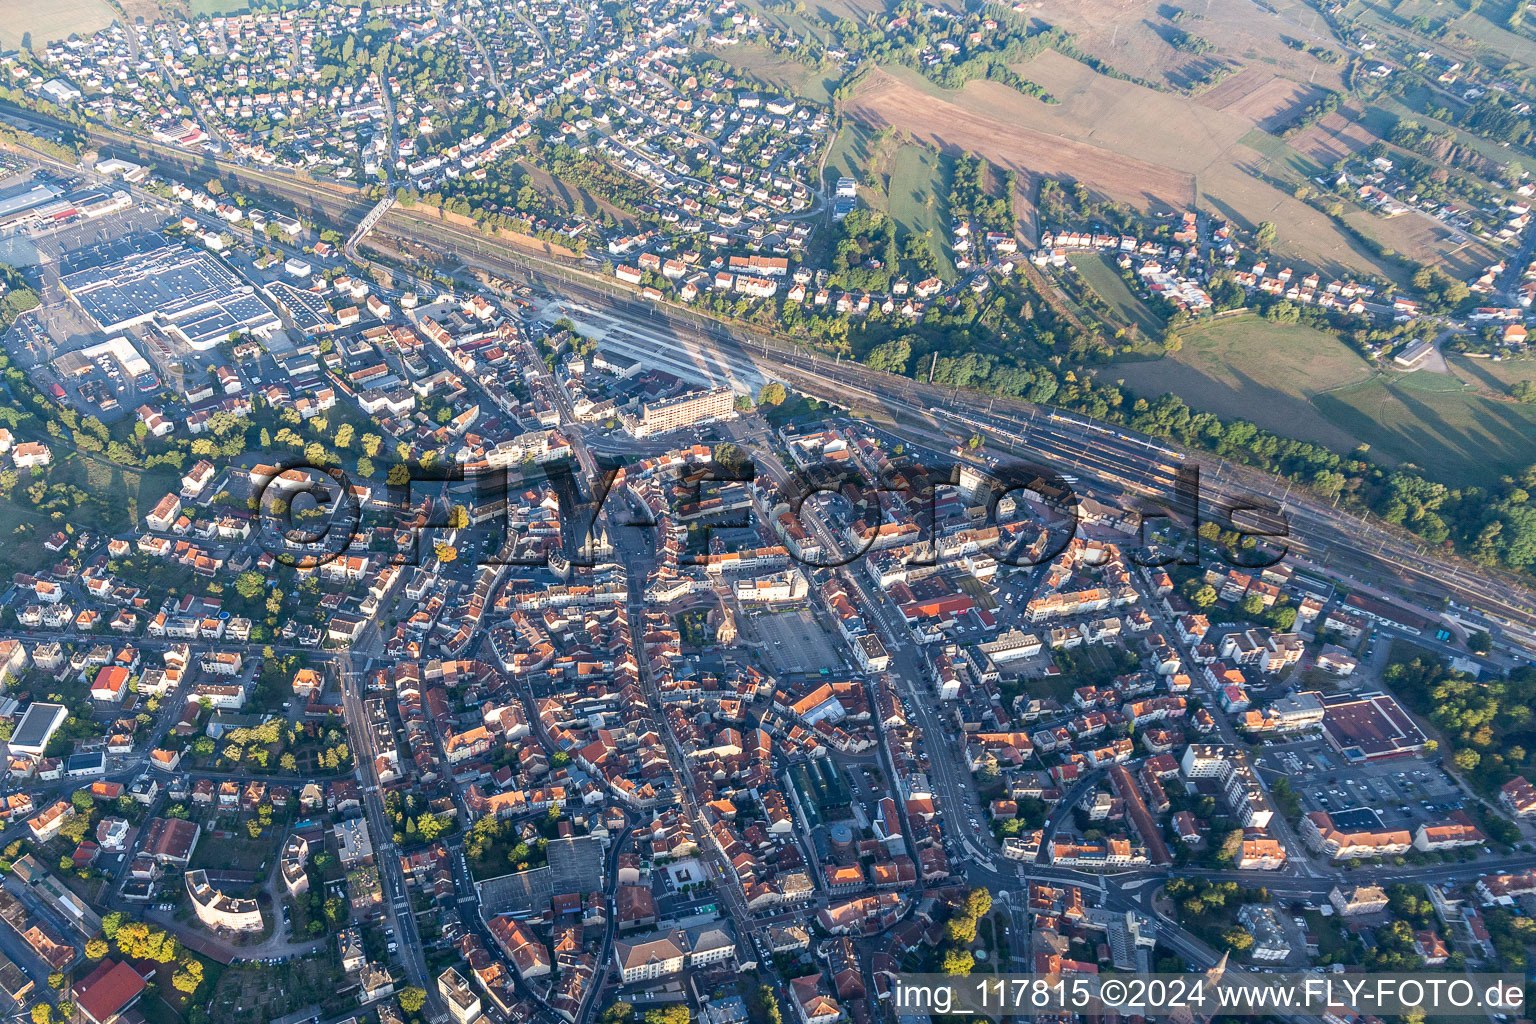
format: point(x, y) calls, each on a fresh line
point(47, 20)
point(918, 200)
point(1284, 160)
point(1252, 369)
point(1105, 279)
point(1455, 433)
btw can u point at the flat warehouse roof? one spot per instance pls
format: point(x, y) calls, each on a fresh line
point(36, 724)
point(134, 280)
point(1369, 725)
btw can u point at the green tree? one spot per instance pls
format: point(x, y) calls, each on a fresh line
point(676, 1013)
point(619, 1013)
point(412, 999)
point(891, 356)
point(958, 962)
point(1237, 939)
point(250, 584)
point(75, 828)
point(731, 457)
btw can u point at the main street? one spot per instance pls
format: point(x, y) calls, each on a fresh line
point(951, 781)
point(353, 666)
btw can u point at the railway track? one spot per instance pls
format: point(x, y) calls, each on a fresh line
point(1336, 536)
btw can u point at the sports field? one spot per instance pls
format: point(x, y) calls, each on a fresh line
point(48, 20)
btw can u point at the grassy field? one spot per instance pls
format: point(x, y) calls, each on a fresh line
point(1259, 371)
point(1132, 37)
point(1303, 383)
point(1453, 30)
point(809, 83)
point(47, 20)
point(1284, 160)
point(852, 151)
point(1493, 378)
point(1111, 287)
point(1425, 240)
point(918, 199)
point(802, 25)
point(1479, 30)
point(1444, 425)
point(911, 183)
point(858, 10)
point(233, 853)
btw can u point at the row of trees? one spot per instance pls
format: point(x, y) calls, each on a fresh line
point(960, 932)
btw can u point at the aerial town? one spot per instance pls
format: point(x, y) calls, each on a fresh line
point(656, 513)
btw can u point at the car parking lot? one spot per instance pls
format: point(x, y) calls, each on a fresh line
point(1403, 791)
point(795, 641)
